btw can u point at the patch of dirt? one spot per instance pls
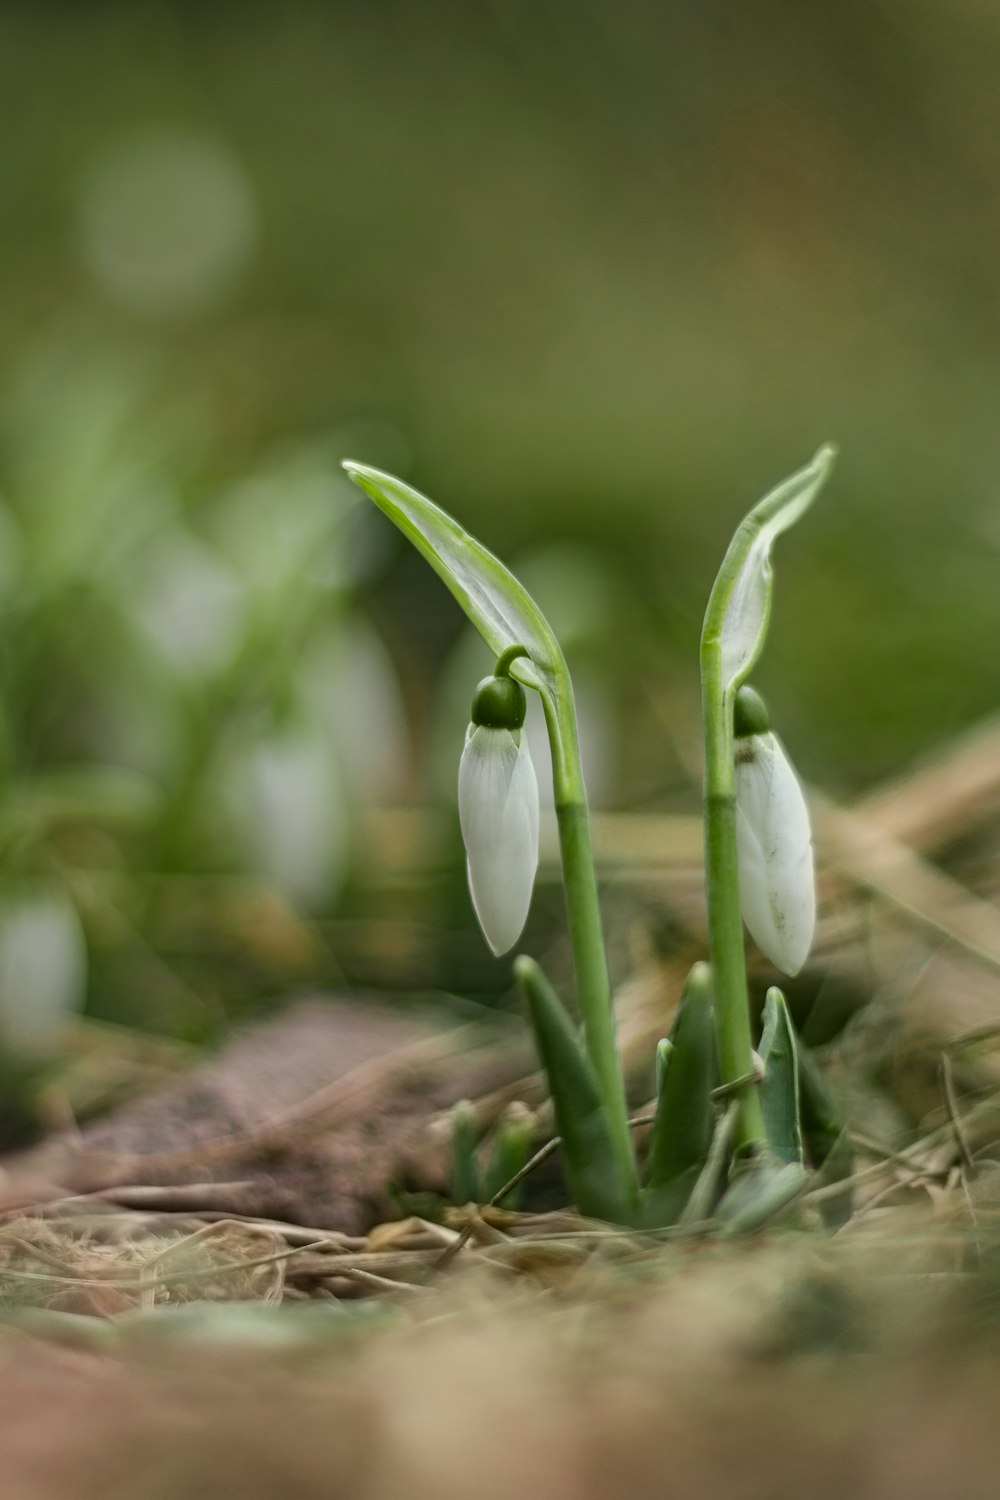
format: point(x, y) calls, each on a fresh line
point(310, 1118)
point(760, 1372)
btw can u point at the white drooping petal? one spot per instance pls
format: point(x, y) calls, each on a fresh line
point(774, 842)
point(43, 968)
point(498, 811)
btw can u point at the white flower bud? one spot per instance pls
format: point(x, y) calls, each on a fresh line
point(498, 810)
point(774, 842)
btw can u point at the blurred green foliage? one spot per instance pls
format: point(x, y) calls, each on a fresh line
point(194, 710)
point(592, 276)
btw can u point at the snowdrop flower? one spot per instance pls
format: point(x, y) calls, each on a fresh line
point(498, 811)
point(774, 841)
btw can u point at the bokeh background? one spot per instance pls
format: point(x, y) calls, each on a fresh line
point(592, 276)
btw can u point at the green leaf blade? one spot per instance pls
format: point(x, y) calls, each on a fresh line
point(513, 1144)
point(588, 1155)
point(501, 609)
point(763, 1193)
point(681, 1135)
point(779, 1090)
point(740, 603)
point(464, 1184)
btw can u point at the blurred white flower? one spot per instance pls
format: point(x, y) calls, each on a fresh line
point(169, 222)
point(498, 810)
point(288, 804)
point(43, 968)
point(348, 678)
point(774, 843)
point(282, 527)
point(190, 603)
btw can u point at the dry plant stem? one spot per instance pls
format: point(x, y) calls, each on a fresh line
point(951, 1104)
point(979, 1114)
point(722, 890)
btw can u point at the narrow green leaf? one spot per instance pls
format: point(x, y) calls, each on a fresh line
point(706, 1191)
point(779, 1090)
point(464, 1184)
point(501, 609)
point(740, 603)
point(681, 1134)
point(760, 1194)
point(588, 1156)
point(513, 1144)
point(826, 1137)
point(664, 1048)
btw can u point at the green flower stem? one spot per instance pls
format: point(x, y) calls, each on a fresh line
point(722, 889)
point(586, 934)
point(507, 658)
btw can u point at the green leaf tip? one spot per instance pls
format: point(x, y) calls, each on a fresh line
point(464, 1186)
point(779, 1091)
point(525, 969)
point(513, 1143)
point(681, 1135)
point(498, 605)
point(739, 606)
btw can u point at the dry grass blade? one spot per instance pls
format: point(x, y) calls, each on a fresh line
point(858, 849)
point(951, 1104)
point(63, 1265)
